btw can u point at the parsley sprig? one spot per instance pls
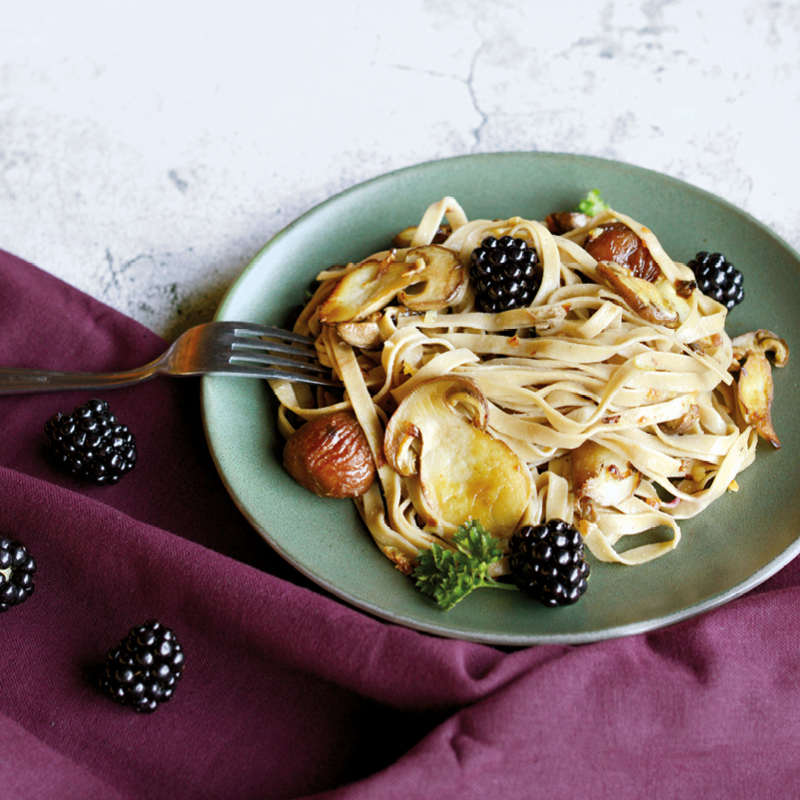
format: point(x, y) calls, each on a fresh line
point(448, 576)
point(592, 204)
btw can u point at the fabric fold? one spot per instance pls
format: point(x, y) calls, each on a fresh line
point(290, 693)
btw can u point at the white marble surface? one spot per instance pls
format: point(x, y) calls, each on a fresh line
point(149, 149)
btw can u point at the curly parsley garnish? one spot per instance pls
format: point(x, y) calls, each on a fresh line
point(448, 576)
point(592, 204)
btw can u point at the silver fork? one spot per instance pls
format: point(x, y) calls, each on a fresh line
point(215, 348)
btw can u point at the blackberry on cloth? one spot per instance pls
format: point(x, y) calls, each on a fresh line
point(718, 278)
point(144, 668)
point(17, 566)
point(504, 273)
point(548, 562)
point(91, 443)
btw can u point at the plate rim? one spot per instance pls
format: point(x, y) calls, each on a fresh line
point(385, 176)
point(498, 639)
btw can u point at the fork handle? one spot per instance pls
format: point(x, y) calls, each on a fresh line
point(24, 381)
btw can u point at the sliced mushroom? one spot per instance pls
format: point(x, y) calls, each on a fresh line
point(627, 267)
point(365, 335)
point(455, 469)
point(754, 387)
point(754, 396)
point(565, 221)
point(367, 289)
point(405, 237)
point(760, 341)
point(616, 242)
point(442, 282)
point(656, 302)
point(600, 477)
point(373, 284)
point(684, 423)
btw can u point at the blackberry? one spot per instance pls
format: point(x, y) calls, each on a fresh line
point(17, 566)
point(91, 443)
point(548, 562)
point(718, 278)
point(504, 273)
point(144, 668)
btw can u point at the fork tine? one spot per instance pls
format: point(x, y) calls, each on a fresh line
point(244, 329)
point(254, 346)
point(269, 373)
point(261, 359)
point(273, 340)
point(265, 345)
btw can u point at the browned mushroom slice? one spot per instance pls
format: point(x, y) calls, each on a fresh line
point(441, 283)
point(754, 396)
point(760, 341)
point(365, 335)
point(684, 423)
point(616, 242)
point(405, 237)
point(374, 284)
point(456, 469)
point(600, 477)
point(565, 221)
point(657, 302)
point(368, 288)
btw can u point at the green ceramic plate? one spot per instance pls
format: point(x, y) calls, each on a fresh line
point(735, 545)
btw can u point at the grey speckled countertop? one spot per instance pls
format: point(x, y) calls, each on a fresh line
point(148, 150)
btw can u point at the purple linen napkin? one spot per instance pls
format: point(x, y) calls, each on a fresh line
point(289, 693)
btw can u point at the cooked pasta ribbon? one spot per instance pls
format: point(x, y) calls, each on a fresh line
point(625, 425)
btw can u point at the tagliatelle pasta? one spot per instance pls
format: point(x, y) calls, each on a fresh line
point(617, 421)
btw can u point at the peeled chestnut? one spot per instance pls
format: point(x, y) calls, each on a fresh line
point(616, 242)
point(330, 456)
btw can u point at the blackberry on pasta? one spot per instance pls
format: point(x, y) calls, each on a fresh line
point(504, 273)
point(548, 562)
